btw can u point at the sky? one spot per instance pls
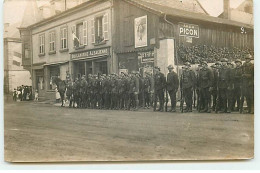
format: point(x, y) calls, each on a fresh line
point(14, 9)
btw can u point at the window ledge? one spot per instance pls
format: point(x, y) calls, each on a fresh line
point(52, 52)
point(64, 50)
point(100, 43)
point(79, 47)
point(41, 54)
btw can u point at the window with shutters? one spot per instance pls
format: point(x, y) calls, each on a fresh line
point(80, 34)
point(52, 41)
point(99, 29)
point(42, 44)
point(64, 38)
point(85, 33)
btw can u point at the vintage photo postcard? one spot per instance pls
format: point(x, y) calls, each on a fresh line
point(128, 80)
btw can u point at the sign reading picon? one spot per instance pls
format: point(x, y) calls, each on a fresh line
point(189, 30)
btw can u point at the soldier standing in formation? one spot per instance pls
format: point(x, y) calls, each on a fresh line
point(172, 87)
point(187, 84)
point(159, 87)
point(227, 85)
point(248, 85)
point(205, 85)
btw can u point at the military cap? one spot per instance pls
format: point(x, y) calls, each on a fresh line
point(170, 67)
point(248, 56)
point(224, 60)
point(187, 64)
point(218, 63)
point(213, 66)
point(238, 60)
point(204, 62)
point(156, 67)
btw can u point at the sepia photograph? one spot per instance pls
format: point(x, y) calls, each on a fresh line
point(128, 80)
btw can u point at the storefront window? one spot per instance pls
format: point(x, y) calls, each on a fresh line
point(54, 72)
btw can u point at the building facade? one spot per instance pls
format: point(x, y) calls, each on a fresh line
point(110, 36)
point(76, 42)
point(14, 73)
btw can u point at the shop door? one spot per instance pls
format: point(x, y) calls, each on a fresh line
point(89, 67)
point(101, 67)
point(79, 69)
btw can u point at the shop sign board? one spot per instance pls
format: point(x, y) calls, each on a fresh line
point(188, 30)
point(146, 56)
point(91, 53)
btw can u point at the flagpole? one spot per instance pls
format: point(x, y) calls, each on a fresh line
point(65, 4)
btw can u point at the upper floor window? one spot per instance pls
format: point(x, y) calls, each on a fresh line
point(42, 44)
point(80, 34)
point(52, 41)
point(64, 38)
point(99, 29)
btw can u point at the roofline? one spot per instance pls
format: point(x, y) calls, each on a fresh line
point(190, 15)
point(64, 13)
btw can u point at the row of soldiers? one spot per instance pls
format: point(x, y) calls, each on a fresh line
point(220, 88)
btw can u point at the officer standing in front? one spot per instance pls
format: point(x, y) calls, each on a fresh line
point(159, 86)
point(172, 87)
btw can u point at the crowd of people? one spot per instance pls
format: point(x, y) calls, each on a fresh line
point(220, 88)
point(211, 54)
point(22, 93)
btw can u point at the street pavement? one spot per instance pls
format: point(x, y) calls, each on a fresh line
point(38, 132)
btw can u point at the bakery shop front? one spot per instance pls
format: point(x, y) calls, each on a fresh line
point(94, 61)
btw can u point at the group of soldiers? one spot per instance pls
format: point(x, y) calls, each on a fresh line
point(222, 87)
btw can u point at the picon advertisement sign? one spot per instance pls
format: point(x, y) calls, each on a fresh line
point(188, 30)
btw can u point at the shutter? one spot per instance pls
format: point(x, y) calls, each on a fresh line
point(43, 41)
point(105, 26)
point(93, 30)
point(61, 36)
point(50, 41)
point(73, 29)
point(40, 44)
point(85, 32)
point(54, 39)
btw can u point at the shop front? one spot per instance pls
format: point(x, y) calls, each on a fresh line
point(90, 62)
point(141, 61)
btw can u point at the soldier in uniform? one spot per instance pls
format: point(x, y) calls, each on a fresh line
point(231, 88)
point(237, 83)
point(132, 90)
point(205, 81)
point(224, 86)
point(69, 92)
point(159, 86)
point(172, 85)
point(107, 90)
point(114, 92)
point(214, 90)
point(102, 84)
point(76, 92)
point(147, 89)
point(187, 84)
point(141, 88)
point(82, 90)
point(248, 84)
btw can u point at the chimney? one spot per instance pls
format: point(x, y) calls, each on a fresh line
point(57, 6)
point(226, 9)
